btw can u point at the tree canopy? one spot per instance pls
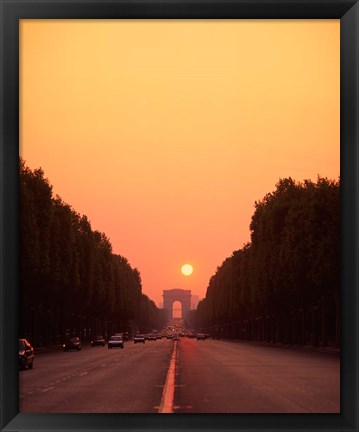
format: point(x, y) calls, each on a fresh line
point(70, 279)
point(292, 261)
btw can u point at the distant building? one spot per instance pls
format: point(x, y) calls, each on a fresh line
point(173, 296)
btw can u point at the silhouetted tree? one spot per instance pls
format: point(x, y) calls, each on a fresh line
point(288, 274)
point(70, 280)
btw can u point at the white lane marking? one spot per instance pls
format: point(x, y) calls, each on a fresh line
point(83, 373)
point(47, 389)
point(166, 405)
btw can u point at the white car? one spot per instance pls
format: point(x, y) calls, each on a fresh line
point(139, 338)
point(115, 341)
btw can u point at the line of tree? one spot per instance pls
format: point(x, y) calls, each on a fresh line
point(70, 280)
point(283, 286)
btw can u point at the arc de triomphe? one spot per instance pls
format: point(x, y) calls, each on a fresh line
point(183, 296)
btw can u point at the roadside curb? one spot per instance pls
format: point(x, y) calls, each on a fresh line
point(54, 348)
point(39, 350)
point(327, 350)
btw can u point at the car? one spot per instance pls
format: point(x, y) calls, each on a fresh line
point(169, 336)
point(139, 338)
point(72, 343)
point(201, 336)
point(98, 340)
point(151, 337)
point(115, 341)
point(26, 354)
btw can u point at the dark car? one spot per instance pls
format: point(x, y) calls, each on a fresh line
point(72, 343)
point(26, 354)
point(201, 336)
point(115, 341)
point(99, 340)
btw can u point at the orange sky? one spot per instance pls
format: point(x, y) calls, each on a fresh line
point(164, 133)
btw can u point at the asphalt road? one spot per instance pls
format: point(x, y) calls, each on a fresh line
point(229, 377)
point(205, 377)
point(97, 380)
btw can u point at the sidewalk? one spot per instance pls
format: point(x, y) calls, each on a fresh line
point(54, 348)
point(327, 349)
point(48, 348)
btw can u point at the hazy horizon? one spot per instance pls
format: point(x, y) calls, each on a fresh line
point(164, 134)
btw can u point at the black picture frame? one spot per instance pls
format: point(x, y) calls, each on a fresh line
point(14, 10)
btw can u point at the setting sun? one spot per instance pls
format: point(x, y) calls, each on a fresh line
point(187, 269)
point(186, 122)
point(147, 143)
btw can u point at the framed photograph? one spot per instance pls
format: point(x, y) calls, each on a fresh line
point(179, 180)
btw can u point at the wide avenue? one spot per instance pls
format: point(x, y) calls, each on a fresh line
point(210, 376)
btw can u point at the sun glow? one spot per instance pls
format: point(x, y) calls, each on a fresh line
point(187, 269)
point(187, 178)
